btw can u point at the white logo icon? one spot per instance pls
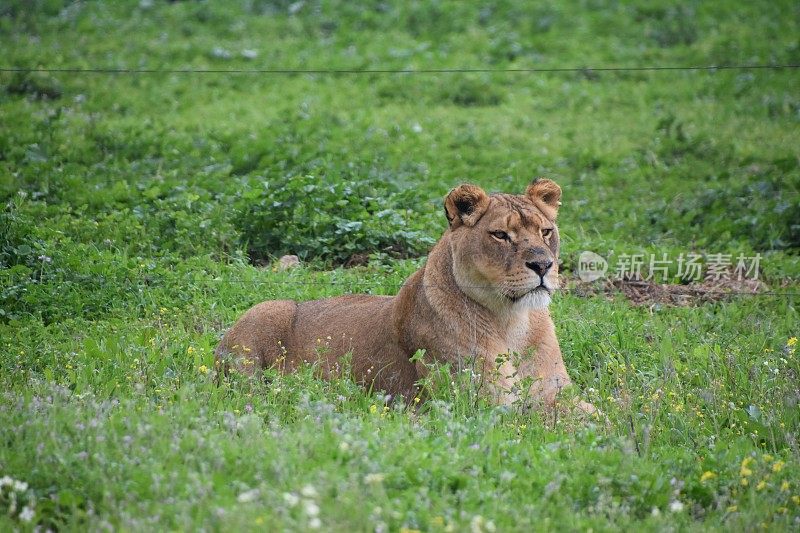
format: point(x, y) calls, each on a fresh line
point(591, 266)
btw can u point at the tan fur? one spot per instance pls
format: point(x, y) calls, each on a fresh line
point(474, 300)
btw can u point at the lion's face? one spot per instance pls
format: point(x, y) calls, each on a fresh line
point(505, 247)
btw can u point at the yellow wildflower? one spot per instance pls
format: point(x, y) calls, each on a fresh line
point(778, 466)
point(792, 341)
point(190, 350)
point(733, 508)
point(373, 409)
point(785, 486)
point(796, 499)
point(416, 399)
point(707, 475)
point(745, 471)
point(744, 482)
point(761, 485)
point(203, 369)
point(768, 458)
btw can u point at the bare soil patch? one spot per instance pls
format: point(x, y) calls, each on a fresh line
point(649, 293)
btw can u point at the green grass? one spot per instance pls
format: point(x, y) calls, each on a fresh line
point(141, 212)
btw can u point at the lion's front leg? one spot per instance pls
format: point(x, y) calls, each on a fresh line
point(500, 380)
point(508, 378)
point(544, 367)
point(505, 384)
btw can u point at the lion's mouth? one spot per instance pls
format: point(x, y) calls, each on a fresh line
point(518, 297)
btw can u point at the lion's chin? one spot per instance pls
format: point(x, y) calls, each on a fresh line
point(538, 298)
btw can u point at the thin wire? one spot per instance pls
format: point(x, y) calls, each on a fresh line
point(290, 71)
point(366, 285)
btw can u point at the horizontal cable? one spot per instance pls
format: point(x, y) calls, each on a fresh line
point(279, 71)
point(589, 289)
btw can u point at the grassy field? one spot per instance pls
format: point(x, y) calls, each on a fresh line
point(142, 214)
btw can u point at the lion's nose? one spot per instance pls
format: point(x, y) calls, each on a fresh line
point(540, 267)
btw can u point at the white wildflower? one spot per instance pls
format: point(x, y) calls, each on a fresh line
point(311, 508)
point(676, 507)
point(314, 523)
point(248, 496)
point(295, 7)
point(291, 499)
point(374, 479)
point(220, 53)
point(27, 514)
point(309, 491)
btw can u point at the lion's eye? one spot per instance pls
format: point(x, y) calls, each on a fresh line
point(500, 235)
point(546, 232)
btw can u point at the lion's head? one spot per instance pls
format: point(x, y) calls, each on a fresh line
point(505, 246)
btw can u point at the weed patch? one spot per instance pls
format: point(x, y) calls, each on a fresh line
point(336, 220)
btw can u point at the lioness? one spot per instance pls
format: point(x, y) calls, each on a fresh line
point(481, 297)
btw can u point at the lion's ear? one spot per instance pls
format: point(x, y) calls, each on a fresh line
point(546, 194)
point(465, 205)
